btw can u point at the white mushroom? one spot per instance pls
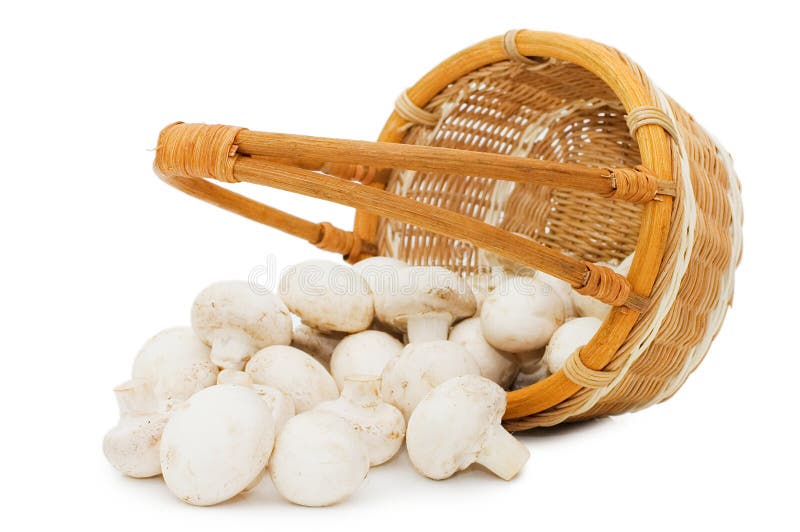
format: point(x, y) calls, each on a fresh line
point(216, 444)
point(295, 373)
point(318, 459)
point(427, 301)
point(380, 425)
point(132, 446)
point(567, 339)
point(521, 315)
point(494, 365)
point(458, 424)
point(380, 273)
point(280, 404)
point(236, 321)
point(175, 363)
point(589, 306)
point(234, 376)
point(318, 344)
point(419, 368)
point(364, 353)
point(328, 296)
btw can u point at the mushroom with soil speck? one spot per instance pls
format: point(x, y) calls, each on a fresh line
point(458, 424)
point(426, 303)
point(328, 296)
point(236, 321)
point(216, 444)
point(295, 373)
point(318, 459)
point(521, 315)
point(380, 425)
point(364, 353)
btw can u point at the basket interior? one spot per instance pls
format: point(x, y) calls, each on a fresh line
point(553, 111)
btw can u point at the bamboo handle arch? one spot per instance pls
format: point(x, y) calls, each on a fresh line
point(187, 153)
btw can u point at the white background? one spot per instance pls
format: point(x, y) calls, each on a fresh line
point(98, 254)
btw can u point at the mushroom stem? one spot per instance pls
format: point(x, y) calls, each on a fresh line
point(363, 390)
point(230, 348)
point(429, 326)
point(502, 453)
point(135, 398)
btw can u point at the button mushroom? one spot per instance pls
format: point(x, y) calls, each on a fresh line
point(419, 368)
point(318, 459)
point(562, 289)
point(364, 353)
point(295, 373)
point(531, 373)
point(567, 339)
point(494, 365)
point(132, 446)
point(458, 424)
point(482, 284)
point(236, 322)
point(176, 364)
point(318, 344)
point(380, 425)
point(521, 315)
point(216, 444)
point(426, 303)
point(328, 296)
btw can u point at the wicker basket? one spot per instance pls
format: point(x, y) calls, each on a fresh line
point(541, 148)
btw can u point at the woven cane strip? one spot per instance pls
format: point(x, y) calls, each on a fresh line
point(411, 112)
point(642, 116)
point(197, 150)
point(633, 184)
point(511, 50)
point(605, 284)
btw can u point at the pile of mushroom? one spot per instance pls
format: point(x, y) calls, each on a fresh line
point(317, 384)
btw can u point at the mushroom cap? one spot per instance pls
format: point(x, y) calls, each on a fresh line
point(425, 290)
point(379, 272)
point(216, 444)
point(419, 368)
point(521, 315)
point(380, 426)
point(318, 344)
point(176, 364)
point(531, 375)
point(318, 459)
point(567, 339)
point(295, 373)
point(495, 365)
point(235, 305)
point(447, 431)
point(364, 353)
point(328, 296)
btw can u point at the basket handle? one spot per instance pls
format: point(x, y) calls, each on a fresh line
point(188, 153)
point(356, 159)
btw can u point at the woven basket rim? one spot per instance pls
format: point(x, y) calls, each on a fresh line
point(655, 150)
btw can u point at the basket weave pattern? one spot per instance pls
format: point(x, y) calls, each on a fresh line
point(561, 112)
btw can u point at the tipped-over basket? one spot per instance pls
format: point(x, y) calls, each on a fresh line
point(548, 150)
